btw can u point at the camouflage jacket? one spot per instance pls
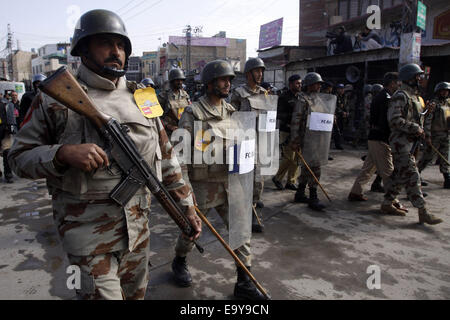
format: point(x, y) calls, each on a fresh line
point(239, 97)
point(404, 119)
point(300, 118)
point(438, 121)
point(341, 106)
point(207, 179)
point(89, 223)
point(174, 106)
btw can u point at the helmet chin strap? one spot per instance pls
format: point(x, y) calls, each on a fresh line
point(117, 73)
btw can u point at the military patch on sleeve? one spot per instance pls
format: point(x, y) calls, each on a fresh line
point(148, 103)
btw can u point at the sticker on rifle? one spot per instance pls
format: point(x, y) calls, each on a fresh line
point(180, 112)
point(202, 140)
point(148, 103)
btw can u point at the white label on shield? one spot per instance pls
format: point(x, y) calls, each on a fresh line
point(247, 157)
point(321, 122)
point(268, 121)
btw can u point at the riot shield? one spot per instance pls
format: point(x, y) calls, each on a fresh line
point(268, 151)
point(241, 162)
point(319, 128)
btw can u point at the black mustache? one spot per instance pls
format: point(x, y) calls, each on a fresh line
point(112, 59)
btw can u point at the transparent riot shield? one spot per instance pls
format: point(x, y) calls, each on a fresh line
point(241, 162)
point(268, 151)
point(319, 128)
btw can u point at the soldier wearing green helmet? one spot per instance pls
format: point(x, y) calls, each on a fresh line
point(406, 121)
point(437, 127)
point(107, 242)
point(210, 182)
point(174, 101)
point(311, 101)
point(254, 72)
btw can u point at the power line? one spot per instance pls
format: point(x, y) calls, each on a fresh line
point(151, 6)
point(123, 14)
point(125, 6)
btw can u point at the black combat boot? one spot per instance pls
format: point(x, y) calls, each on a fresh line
point(376, 185)
point(314, 202)
point(446, 180)
point(8, 172)
point(257, 224)
point(300, 196)
point(245, 288)
point(181, 272)
point(423, 183)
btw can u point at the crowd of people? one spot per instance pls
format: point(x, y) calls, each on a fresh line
point(110, 243)
point(12, 114)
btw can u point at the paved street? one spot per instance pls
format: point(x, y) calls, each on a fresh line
point(302, 254)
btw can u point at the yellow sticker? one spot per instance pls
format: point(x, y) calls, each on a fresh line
point(422, 102)
point(148, 103)
point(202, 140)
point(180, 113)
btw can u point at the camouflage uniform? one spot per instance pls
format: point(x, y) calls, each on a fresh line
point(240, 102)
point(209, 182)
point(341, 109)
point(436, 127)
point(298, 131)
point(404, 121)
point(174, 105)
point(108, 242)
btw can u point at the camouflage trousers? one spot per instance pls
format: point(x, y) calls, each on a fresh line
point(307, 179)
point(405, 175)
point(184, 246)
point(121, 275)
point(441, 142)
point(258, 185)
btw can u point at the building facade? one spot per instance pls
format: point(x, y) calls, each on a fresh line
point(50, 58)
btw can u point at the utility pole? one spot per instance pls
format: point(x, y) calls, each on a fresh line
point(9, 50)
point(411, 34)
point(188, 31)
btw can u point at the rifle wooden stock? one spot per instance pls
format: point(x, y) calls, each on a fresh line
point(63, 87)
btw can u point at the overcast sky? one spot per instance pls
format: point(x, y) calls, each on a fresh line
point(149, 22)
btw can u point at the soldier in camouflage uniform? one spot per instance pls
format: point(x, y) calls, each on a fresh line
point(405, 122)
point(254, 71)
point(341, 116)
point(174, 101)
point(437, 131)
point(210, 182)
point(110, 244)
point(313, 82)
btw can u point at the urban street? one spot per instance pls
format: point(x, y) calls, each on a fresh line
point(301, 255)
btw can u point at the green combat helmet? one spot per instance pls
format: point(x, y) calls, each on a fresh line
point(377, 88)
point(312, 78)
point(367, 89)
point(409, 72)
point(442, 86)
point(217, 69)
point(253, 64)
point(176, 74)
point(100, 22)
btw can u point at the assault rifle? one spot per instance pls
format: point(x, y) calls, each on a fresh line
point(63, 87)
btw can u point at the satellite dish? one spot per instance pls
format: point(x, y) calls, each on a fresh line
point(353, 74)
